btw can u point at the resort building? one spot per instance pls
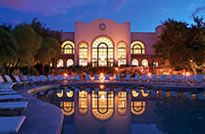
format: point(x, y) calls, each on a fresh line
point(103, 42)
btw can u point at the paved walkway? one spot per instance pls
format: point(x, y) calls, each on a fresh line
point(41, 117)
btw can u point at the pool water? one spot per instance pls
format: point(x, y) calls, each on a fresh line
point(128, 110)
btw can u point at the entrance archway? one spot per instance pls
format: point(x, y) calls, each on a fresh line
point(102, 52)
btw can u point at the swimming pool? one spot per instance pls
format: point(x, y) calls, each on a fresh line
point(112, 109)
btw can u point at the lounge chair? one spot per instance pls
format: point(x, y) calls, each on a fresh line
point(107, 77)
point(87, 77)
point(9, 80)
point(127, 77)
point(96, 77)
point(173, 93)
point(50, 92)
point(154, 77)
point(163, 93)
point(6, 90)
point(180, 78)
point(68, 78)
point(13, 108)
point(153, 92)
point(188, 95)
point(198, 78)
point(50, 78)
point(8, 93)
point(34, 79)
point(11, 97)
point(19, 81)
point(11, 125)
point(59, 77)
point(77, 77)
point(144, 77)
point(164, 78)
point(43, 78)
point(41, 93)
point(201, 96)
point(173, 78)
point(137, 77)
point(117, 77)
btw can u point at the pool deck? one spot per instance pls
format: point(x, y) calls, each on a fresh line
point(41, 117)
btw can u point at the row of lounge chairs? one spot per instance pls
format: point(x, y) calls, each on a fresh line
point(25, 80)
point(12, 105)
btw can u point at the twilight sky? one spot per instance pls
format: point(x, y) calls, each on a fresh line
point(144, 15)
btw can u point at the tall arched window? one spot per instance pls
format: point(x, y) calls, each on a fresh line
point(138, 107)
point(145, 62)
point(60, 63)
point(83, 54)
point(122, 102)
point(69, 62)
point(68, 47)
point(135, 62)
point(137, 47)
point(102, 52)
point(83, 102)
point(122, 54)
point(102, 104)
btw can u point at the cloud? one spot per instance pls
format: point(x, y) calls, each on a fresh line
point(198, 10)
point(43, 7)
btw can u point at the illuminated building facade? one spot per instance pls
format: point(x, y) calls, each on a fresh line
point(103, 42)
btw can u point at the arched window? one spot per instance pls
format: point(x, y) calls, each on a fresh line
point(69, 62)
point(144, 94)
point(60, 63)
point(145, 62)
point(122, 102)
point(102, 104)
point(83, 102)
point(67, 107)
point(102, 52)
point(138, 107)
point(83, 54)
point(137, 47)
point(134, 93)
point(135, 62)
point(68, 47)
point(122, 54)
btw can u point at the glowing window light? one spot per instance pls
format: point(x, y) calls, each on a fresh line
point(102, 87)
point(187, 74)
point(83, 102)
point(67, 108)
point(149, 74)
point(122, 102)
point(70, 94)
point(83, 54)
point(134, 93)
point(137, 47)
point(122, 54)
point(102, 107)
point(68, 47)
point(138, 107)
point(60, 94)
point(69, 62)
point(145, 62)
point(144, 94)
point(60, 63)
point(135, 62)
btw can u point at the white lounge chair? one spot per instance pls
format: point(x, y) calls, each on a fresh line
point(8, 93)
point(11, 125)
point(164, 77)
point(43, 78)
point(11, 97)
point(77, 77)
point(144, 77)
point(173, 78)
point(180, 78)
point(154, 77)
point(137, 77)
point(68, 78)
point(107, 77)
point(9, 108)
point(87, 77)
point(9, 80)
point(59, 77)
point(117, 77)
point(127, 77)
point(6, 90)
point(18, 80)
point(50, 78)
point(34, 78)
point(199, 78)
point(96, 77)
